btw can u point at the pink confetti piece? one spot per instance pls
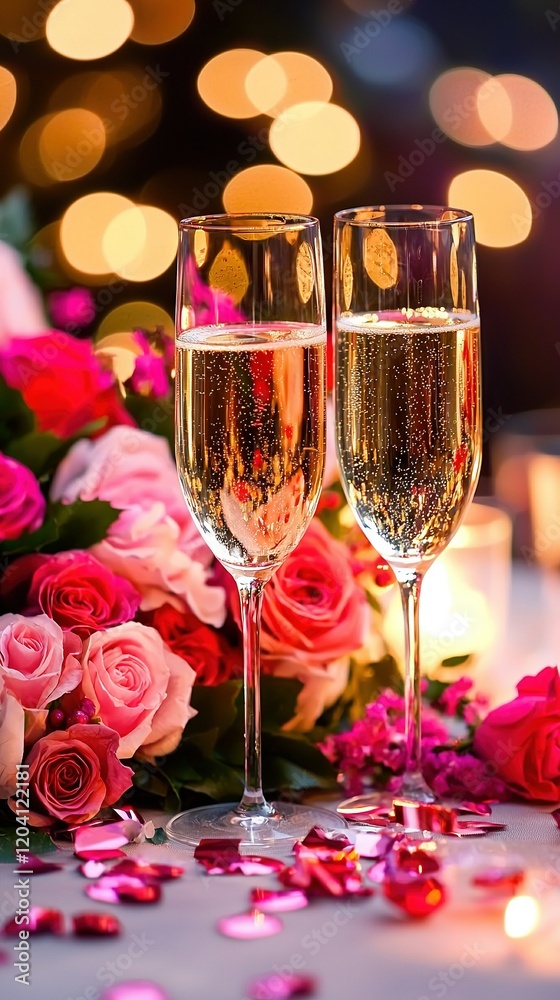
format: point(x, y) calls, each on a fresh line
point(375, 844)
point(96, 925)
point(147, 870)
point(476, 828)
point(317, 837)
point(281, 987)
point(247, 926)
point(478, 808)
point(100, 855)
point(278, 900)
point(137, 989)
point(123, 889)
point(92, 869)
point(109, 836)
point(41, 921)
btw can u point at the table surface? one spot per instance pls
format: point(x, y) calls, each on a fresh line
point(356, 950)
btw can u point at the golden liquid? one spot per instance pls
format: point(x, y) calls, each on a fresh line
point(250, 415)
point(408, 427)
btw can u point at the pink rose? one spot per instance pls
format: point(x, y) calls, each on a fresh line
point(128, 467)
point(80, 593)
point(521, 739)
point(38, 661)
point(12, 726)
point(63, 382)
point(22, 505)
point(139, 687)
point(314, 610)
point(74, 773)
point(21, 311)
point(144, 546)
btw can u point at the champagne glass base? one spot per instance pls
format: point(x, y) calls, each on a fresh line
point(287, 823)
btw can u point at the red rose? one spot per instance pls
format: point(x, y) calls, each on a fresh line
point(313, 609)
point(522, 738)
point(73, 773)
point(205, 650)
point(62, 381)
point(80, 593)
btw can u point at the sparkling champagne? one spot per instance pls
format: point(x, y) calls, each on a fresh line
point(251, 436)
point(409, 432)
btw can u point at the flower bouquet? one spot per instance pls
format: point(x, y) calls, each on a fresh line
point(120, 647)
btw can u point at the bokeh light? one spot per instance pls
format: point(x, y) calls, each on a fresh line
point(221, 83)
point(140, 243)
point(531, 120)
point(268, 188)
point(83, 227)
point(454, 103)
point(29, 153)
point(401, 53)
point(315, 137)
point(8, 95)
point(128, 99)
point(133, 316)
point(501, 209)
point(159, 22)
point(71, 143)
point(89, 29)
point(285, 78)
point(22, 21)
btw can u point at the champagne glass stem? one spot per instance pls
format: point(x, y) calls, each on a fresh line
point(410, 583)
point(251, 593)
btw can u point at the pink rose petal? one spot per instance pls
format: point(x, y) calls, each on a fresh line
point(123, 889)
point(137, 989)
point(278, 900)
point(108, 836)
point(245, 926)
point(100, 855)
point(281, 987)
point(41, 921)
point(92, 869)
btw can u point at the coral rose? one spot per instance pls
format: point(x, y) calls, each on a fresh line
point(80, 593)
point(73, 774)
point(522, 738)
point(62, 381)
point(139, 687)
point(313, 608)
point(22, 505)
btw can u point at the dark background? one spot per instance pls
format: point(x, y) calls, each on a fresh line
point(518, 285)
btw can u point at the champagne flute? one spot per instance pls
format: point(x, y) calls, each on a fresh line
point(250, 443)
point(407, 401)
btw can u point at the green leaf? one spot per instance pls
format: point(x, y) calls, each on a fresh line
point(278, 701)
point(66, 526)
point(39, 842)
point(297, 749)
point(17, 418)
point(434, 690)
point(154, 415)
point(456, 661)
point(159, 837)
point(216, 707)
point(16, 221)
point(42, 452)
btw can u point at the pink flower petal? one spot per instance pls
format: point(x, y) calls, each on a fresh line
point(92, 869)
point(123, 889)
point(245, 926)
point(108, 836)
point(41, 921)
point(100, 855)
point(278, 900)
point(281, 987)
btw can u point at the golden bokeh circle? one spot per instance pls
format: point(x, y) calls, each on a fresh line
point(221, 83)
point(501, 209)
point(89, 29)
point(268, 187)
point(315, 137)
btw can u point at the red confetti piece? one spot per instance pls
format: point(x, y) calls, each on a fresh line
point(424, 816)
point(478, 808)
point(222, 857)
point(506, 881)
point(96, 925)
point(417, 862)
point(556, 816)
point(123, 889)
point(4, 957)
point(138, 989)
point(341, 876)
point(41, 921)
point(281, 987)
point(92, 869)
point(147, 870)
point(317, 837)
point(476, 828)
point(246, 926)
point(418, 897)
point(278, 900)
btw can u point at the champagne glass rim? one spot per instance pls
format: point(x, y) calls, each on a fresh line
point(439, 216)
point(250, 222)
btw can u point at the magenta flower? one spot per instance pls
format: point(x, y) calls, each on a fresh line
point(149, 377)
point(22, 505)
point(72, 308)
